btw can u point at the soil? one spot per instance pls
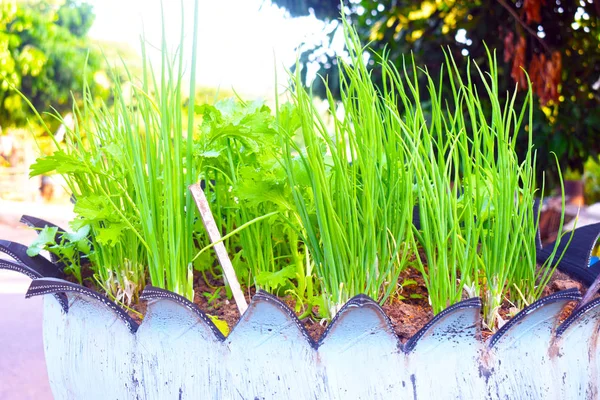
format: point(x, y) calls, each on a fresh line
point(226, 309)
point(408, 309)
point(218, 305)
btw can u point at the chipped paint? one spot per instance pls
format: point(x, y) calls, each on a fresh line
point(95, 351)
point(177, 352)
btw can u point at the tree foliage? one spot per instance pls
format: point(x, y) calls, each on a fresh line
point(557, 42)
point(44, 52)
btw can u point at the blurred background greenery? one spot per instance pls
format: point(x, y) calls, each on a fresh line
point(556, 42)
point(44, 45)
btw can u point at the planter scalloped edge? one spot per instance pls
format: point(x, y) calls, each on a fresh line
point(95, 351)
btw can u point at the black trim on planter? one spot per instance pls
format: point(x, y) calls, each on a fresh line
point(43, 286)
point(38, 263)
point(261, 295)
point(153, 293)
point(20, 267)
point(33, 274)
point(576, 316)
point(35, 222)
point(576, 260)
point(569, 295)
point(474, 302)
point(575, 263)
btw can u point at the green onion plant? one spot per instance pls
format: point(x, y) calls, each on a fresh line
point(447, 146)
point(356, 213)
point(128, 167)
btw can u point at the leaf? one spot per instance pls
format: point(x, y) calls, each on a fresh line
point(211, 297)
point(408, 282)
point(81, 233)
point(110, 236)
point(204, 260)
point(509, 47)
point(256, 187)
point(289, 117)
point(59, 162)
point(274, 280)
point(321, 303)
point(517, 72)
point(94, 208)
point(80, 239)
point(241, 268)
point(220, 324)
point(78, 223)
point(42, 241)
point(64, 251)
point(533, 11)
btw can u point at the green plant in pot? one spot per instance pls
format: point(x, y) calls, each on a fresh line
point(455, 160)
point(319, 211)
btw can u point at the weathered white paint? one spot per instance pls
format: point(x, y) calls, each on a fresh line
point(268, 355)
point(172, 340)
point(445, 359)
point(574, 354)
point(520, 359)
point(362, 332)
point(177, 354)
point(81, 351)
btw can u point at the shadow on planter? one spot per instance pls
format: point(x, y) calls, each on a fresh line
point(94, 350)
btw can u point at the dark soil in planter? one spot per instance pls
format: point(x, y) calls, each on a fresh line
point(408, 309)
point(227, 310)
point(407, 315)
point(412, 311)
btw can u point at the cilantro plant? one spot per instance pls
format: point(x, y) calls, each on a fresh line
point(238, 151)
point(72, 249)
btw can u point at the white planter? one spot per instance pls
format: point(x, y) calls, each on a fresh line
point(95, 351)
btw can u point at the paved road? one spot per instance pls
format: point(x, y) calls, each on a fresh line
point(23, 373)
point(22, 367)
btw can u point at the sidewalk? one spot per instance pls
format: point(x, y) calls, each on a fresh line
point(23, 373)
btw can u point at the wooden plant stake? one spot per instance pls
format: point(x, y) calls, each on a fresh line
point(215, 236)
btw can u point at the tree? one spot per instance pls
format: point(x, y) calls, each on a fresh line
point(44, 51)
point(556, 42)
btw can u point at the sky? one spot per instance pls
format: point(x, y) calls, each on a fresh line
point(240, 41)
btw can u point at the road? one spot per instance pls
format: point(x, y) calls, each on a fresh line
point(23, 373)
